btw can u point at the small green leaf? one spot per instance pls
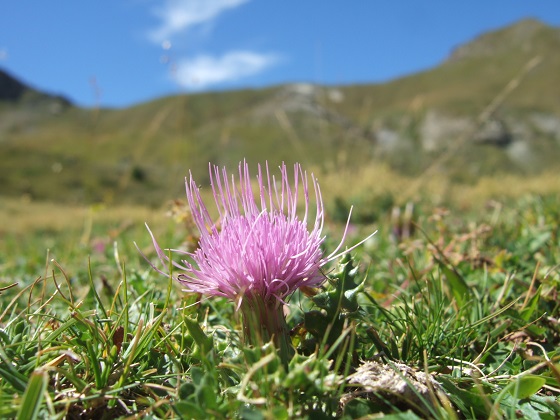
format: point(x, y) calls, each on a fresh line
point(205, 343)
point(526, 386)
point(187, 409)
point(533, 304)
point(457, 284)
point(357, 408)
point(538, 242)
point(250, 413)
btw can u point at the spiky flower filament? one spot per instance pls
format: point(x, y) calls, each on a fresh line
point(262, 250)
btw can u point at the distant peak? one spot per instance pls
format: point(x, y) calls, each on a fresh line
point(13, 90)
point(521, 34)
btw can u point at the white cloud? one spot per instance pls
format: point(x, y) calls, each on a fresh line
point(179, 15)
point(205, 70)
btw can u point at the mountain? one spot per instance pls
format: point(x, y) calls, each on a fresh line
point(511, 72)
point(11, 89)
point(14, 91)
point(492, 107)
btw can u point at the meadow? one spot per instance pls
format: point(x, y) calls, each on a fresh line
point(450, 311)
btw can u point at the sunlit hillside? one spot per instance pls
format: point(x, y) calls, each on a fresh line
point(489, 109)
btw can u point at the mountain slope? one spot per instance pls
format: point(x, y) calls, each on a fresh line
point(141, 153)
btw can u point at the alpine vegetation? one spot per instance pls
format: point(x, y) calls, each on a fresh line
point(260, 251)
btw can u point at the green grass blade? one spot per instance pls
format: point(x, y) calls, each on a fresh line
point(9, 373)
point(33, 396)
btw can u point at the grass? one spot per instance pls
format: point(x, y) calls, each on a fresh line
point(443, 314)
point(458, 319)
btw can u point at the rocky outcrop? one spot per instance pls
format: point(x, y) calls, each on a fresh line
point(438, 130)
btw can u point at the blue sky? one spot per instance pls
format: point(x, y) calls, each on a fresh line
point(119, 53)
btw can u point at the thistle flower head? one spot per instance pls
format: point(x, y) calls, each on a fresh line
point(261, 252)
point(263, 248)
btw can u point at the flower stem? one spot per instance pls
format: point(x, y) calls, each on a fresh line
point(264, 321)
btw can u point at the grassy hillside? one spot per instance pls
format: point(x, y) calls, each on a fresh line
point(140, 154)
point(472, 76)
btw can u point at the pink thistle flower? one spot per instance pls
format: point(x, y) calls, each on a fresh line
point(263, 250)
